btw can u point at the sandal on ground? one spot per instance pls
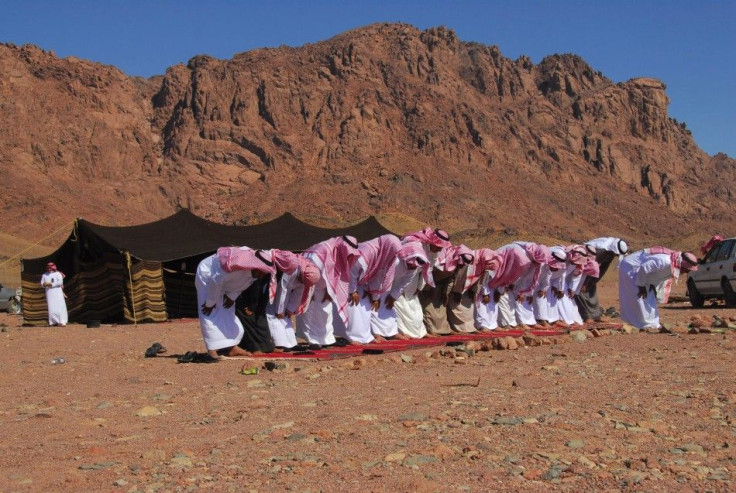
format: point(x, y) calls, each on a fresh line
point(187, 357)
point(205, 358)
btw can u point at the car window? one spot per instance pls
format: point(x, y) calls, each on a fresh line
point(712, 254)
point(725, 252)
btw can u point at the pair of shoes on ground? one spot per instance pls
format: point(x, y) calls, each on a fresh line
point(155, 349)
point(195, 357)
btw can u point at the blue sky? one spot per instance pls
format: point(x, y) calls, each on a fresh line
point(690, 45)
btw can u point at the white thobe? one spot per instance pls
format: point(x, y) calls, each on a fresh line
point(358, 328)
point(566, 306)
point(55, 300)
point(541, 304)
point(384, 320)
point(409, 314)
point(288, 296)
point(506, 309)
point(486, 314)
point(221, 328)
point(641, 269)
point(523, 287)
point(315, 324)
point(556, 281)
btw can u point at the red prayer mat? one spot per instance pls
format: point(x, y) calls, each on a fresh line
point(389, 346)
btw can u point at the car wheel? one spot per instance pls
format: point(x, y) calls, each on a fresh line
point(696, 299)
point(728, 295)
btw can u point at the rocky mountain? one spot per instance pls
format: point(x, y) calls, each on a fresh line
point(381, 119)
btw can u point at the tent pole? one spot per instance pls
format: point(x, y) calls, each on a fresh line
point(130, 279)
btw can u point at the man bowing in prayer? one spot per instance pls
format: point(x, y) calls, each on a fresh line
point(639, 275)
point(220, 280)
point(606, 249)
point(289, 294)
point(371, 276)
point(334, 258)
point(409, 308)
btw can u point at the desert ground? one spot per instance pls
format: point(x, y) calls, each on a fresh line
point(634, 412)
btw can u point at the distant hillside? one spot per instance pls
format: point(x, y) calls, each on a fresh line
point(384, 119)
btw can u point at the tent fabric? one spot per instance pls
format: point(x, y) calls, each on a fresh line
point(145, 273)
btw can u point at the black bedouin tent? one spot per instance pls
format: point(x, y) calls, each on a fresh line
point(145, 273)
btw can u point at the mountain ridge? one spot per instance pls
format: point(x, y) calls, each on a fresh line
point(380, 119)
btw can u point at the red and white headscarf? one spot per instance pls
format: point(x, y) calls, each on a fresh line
point(558, 258)
point(413, 254)
point(514, 262)
point(541, 255)
point(243, 258)
point(591, 267)
point(583, 258)
point(676, 259)
point(577, 254)
point(289, 262)
point(454, 257)
point(337, 256)
point(484, 259)
point(676, 262)
point(436, 237)
point(380, 257)
point(52, 266)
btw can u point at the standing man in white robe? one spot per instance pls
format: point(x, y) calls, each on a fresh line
point(219, 281)
point(53, 282)
point(639, 275)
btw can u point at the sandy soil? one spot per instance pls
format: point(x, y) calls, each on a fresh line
point(640, 412)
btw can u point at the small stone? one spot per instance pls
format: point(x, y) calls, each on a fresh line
point(148, 411)
point(412, 417)
point(587, 462)
point(628, 329)
point(575, 443)
point(443, 452)
point(395, 457)
point(579, 336)
point(507, 420)
point(96, 466)
point(416, 460)
point(119, 482)
point(407, 358)
point(183, 462)
point(273, 365)
point(691, 447)
point(154, 454)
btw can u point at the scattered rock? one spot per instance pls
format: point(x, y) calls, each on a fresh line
point(148, 411)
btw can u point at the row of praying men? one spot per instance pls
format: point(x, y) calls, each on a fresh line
point(342, 292)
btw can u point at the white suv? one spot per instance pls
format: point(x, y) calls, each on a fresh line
point(716, 275)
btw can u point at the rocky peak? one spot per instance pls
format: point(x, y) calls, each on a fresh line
point(377, 119)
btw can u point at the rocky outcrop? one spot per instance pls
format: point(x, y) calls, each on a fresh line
point(379, 119)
